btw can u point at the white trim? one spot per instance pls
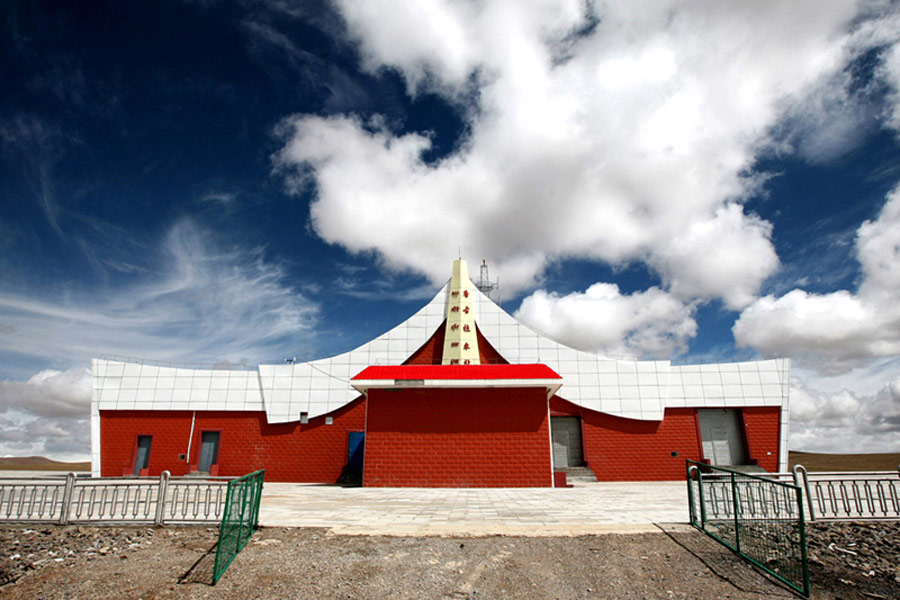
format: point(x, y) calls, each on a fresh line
point(363, 385)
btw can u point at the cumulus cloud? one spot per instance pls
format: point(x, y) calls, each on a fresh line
point(608, 132)
point(49, 393)
point(842, 329)
point(47, 415)
point(651, 323)
point(204, 301)
point(844, 421)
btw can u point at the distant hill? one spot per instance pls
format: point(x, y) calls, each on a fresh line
point(814, 461)
point(39, 463)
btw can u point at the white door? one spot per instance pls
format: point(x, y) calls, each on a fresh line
point(720, 434)
point(560, 449)
point(571, 427)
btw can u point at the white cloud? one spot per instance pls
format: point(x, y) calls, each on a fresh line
point(617, 137)
point(736, 250)
point(49, 393)
point(48, 415)
point(205, 301)
point(601, 319)
point(844, 421)
point(890, 70)
point(839, 330)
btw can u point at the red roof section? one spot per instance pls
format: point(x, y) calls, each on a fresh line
point(430, 372)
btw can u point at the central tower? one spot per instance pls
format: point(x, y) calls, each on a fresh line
point(460, 337)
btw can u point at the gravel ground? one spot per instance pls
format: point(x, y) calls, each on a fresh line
point(848, 561)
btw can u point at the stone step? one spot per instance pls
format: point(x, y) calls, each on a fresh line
point(579, 475)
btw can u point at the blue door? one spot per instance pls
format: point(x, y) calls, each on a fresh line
point(356, 446)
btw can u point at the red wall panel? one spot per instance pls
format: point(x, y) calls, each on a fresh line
point(430, 438)
point(762, 427)
point(312, 452)
point(618, 449)
point(458, 438)
point(432, 351)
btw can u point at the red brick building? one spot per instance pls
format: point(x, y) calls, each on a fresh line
point(459, 395)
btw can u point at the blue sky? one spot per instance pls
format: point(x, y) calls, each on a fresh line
point(252, 180)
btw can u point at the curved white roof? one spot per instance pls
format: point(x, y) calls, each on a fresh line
point(625, 388)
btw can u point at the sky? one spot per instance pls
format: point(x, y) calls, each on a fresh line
point(244, 181)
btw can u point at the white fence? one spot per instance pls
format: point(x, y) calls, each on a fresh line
point(73, 499)
point(863, 495)
point(859, 495)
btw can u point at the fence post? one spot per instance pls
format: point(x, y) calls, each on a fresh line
point(161, 498)
point(67, 499)
point(737, 521)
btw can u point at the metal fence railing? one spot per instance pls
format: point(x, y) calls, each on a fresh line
point(73, 499)
point(845, 495)
point(239, 520)
point(759, 518)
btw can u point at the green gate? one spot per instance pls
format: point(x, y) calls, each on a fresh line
point(759, 518)
point(239, 520)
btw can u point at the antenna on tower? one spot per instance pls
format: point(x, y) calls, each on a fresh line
point(485, 285)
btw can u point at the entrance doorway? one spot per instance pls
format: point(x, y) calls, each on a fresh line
point(209, 450)
point(567, 448)
point(356, 446)
point(142, 456)
point(720, 435)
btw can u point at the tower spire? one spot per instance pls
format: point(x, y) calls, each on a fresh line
point(460, 337)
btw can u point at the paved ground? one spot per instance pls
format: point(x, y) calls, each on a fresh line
point(631, 507)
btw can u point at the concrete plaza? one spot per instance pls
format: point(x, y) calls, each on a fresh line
point(626, 507)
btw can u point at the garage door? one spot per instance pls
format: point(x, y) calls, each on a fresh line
point(566, 434)
point(720, 433)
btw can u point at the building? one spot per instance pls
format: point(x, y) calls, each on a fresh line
point(459, 394)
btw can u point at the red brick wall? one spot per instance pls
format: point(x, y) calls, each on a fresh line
point(487, 353)
point(618, 449)
point(762, 426)
point(432, 351)
point(458, 438)
point(313, 452)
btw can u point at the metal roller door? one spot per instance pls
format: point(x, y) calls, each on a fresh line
point(720, 434)
point(566, 435)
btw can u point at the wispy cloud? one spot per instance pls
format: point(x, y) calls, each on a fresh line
point(204, 301)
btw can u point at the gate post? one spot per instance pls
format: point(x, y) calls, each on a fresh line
point(690, 487)
point(734, 503)
point(800, 473)
point(67, 499)
point(804, 557)
point(702, 501)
